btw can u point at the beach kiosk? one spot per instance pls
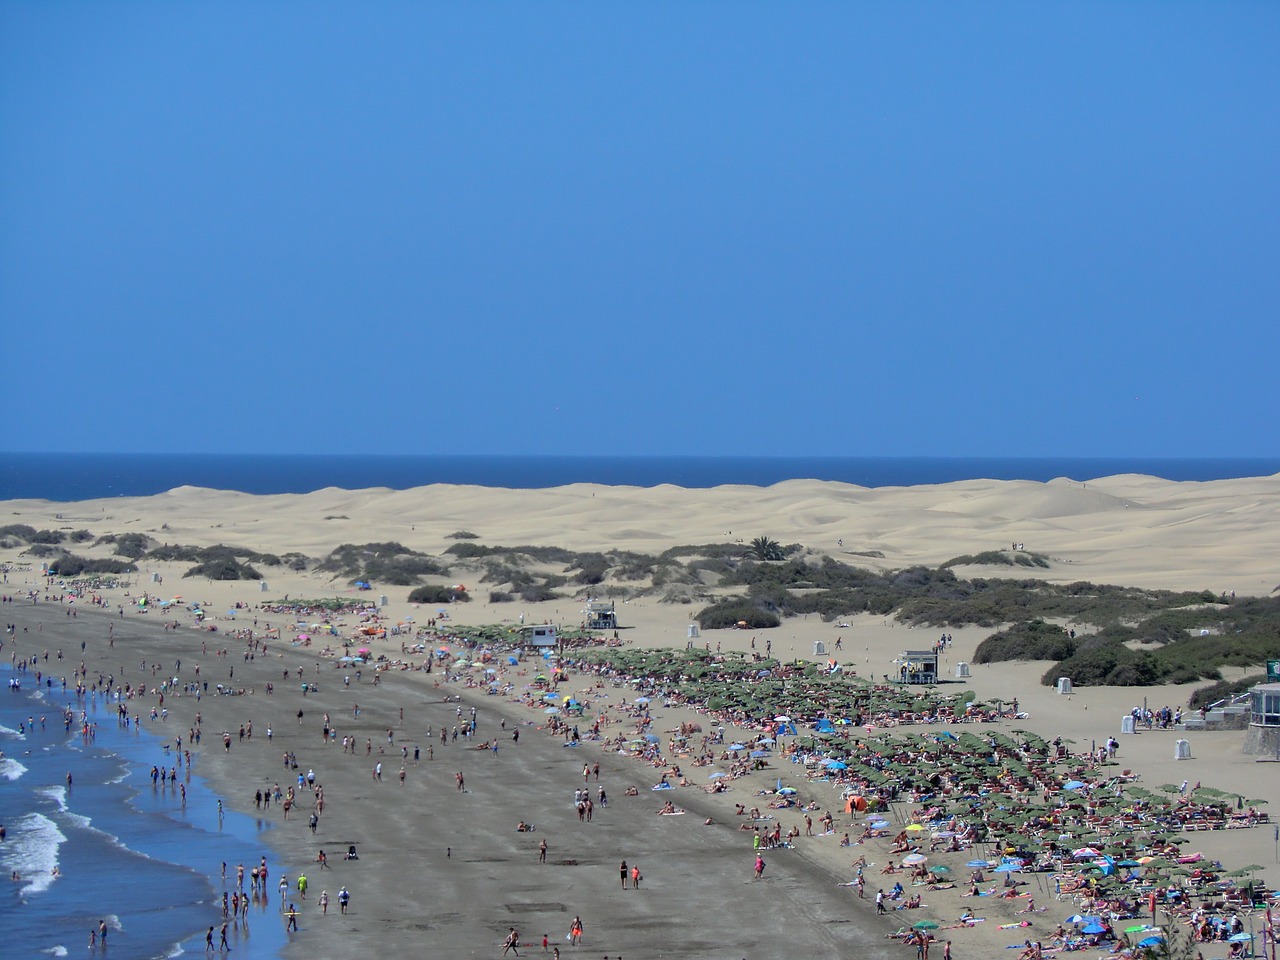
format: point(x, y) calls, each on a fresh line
point(600, 615)
point(541, 636)
point(1263, 736)
point(917, 666)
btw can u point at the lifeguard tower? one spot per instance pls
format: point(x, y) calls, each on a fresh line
point(1263, 736)
point(917, 666)
point(600, 615)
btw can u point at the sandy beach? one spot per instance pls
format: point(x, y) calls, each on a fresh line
point(442, 868)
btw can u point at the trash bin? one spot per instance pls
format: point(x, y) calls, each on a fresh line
point(1127, 724)
point(1064, 685)
point(1182, 750)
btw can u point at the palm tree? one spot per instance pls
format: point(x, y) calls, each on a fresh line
point(767, 549)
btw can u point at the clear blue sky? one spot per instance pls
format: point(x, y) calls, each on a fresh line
point(1024, 229)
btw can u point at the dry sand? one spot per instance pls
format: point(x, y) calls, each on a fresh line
point(446, 870)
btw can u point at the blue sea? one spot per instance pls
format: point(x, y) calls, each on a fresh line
point(127, 853)
point(76, 476)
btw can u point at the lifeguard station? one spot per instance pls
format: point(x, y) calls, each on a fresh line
point(600, 615)
point(540, 636)
point(1263, 737)
point(917, 666)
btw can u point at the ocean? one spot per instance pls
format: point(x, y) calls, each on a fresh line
point(127, 853)
point(87, 476)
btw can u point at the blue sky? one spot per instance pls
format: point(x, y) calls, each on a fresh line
point(1015, 229)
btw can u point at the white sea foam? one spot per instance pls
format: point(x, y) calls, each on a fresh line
point(32, 851)
point(56, 951)
point(10, 731)
point(11, 769)
point(58, 794)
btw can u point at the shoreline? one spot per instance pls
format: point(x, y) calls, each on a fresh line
point(452, 865)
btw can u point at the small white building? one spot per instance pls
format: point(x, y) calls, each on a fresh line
point(541, 635)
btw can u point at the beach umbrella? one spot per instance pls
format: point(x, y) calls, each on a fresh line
point(787, 791)
point(1007, 868)
point(940, 869)
point(759, 754)
point(1152, 941)
point(924, 925)
point(718, 776)
point(1072, 785)
point(912, 859)
point(737, 746)
point(1240, 937)
point(914, 828)
point(1094, 928)
point(1137, 929)
point(1076, 918)
point(983, 863)
point(837, 765)
point(551, 710)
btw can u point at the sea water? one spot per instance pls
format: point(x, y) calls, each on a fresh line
point(111, 847)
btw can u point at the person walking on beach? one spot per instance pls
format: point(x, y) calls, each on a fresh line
point(511, 942)
point(542, 850)
point(292, 925)
point(880, 901)
point(343, 899)
point(324, 903)
point(759, 871)
point(208, 941)
point(635, 876)
point(302, 886)
point(575, 932)
point(224, 945)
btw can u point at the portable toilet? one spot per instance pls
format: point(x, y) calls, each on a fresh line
point(1064, 685)
point(962, 670)
point(155, 578)
point(382, 600)
point(819, 648)
point(1182, 750)
point(693, 631)
point(1128, 724)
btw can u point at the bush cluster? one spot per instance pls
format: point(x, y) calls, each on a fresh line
point(731, 613)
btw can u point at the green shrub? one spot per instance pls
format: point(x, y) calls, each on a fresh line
point(80, 536)
point(730, 613)
point(74, 566)
point(500, 596)
point(47, 536)
point(1032, 640)
point(435, 593)
point(224, 567)
point(131, 545)
point(19, 531)
point(462, 535)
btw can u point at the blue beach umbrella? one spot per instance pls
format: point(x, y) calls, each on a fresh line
point(1151, 941)
point(1007, 868)
point(983, 863)
point(1073, 785)
point(1094, 928)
